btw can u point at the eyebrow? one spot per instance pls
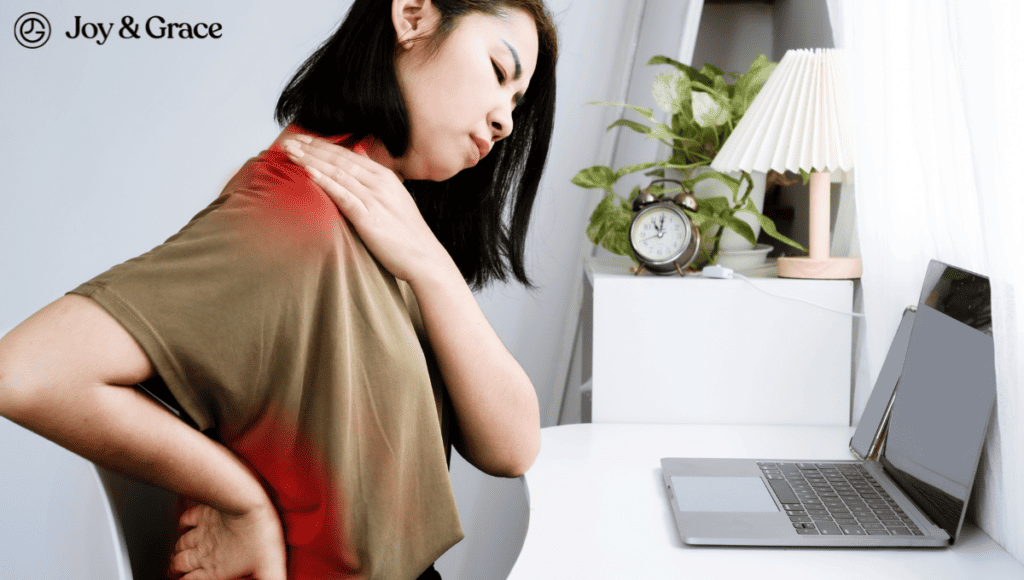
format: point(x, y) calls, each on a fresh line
point(515, 57)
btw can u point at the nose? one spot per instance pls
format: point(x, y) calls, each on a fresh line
point(501, 122)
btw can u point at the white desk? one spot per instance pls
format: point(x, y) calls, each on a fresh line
point(598, 509)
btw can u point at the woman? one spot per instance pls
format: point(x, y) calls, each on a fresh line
point(328, 361)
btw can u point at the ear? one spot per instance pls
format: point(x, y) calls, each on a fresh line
point(412, 19)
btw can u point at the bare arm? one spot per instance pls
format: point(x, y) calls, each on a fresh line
point(494, 399)
point(63, 375)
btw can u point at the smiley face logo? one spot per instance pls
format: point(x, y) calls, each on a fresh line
point(32, 30)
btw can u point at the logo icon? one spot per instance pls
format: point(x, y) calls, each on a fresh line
point(32, 30)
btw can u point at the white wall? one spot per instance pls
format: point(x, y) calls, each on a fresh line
point(109, 149)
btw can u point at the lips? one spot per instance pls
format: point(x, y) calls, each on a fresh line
point(482, 146)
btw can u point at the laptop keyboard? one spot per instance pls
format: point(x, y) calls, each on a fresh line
point(834, 499)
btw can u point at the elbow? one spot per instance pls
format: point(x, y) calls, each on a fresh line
point(529, 455)
point(10, 401)
point(18, 394)
point(523, 463)
point(519, 461)
point(508, 459)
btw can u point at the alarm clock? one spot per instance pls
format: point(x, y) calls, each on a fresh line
point(663, 237)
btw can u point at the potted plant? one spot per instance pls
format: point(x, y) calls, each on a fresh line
point(704, 111)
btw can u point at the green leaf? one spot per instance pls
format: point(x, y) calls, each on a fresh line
point(708, 112)
point(609, 225)
point(682, 167)
point(728, 221)
point(687, 144)
point(731, 182)
point(663, 131)
point(759, 70)
point(644, 111)
point(711, 71)
point(671, 91)
point(740, 227)
point(597, 176)
point(713, 206)
point(683, 120)
point(721, 89)
point(749, 84)
point(660, 59)
point(769, 226)
point(638, 167)
point(638, 127)
point(690, 72)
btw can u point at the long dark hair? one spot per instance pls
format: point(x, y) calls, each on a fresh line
point(348, 86)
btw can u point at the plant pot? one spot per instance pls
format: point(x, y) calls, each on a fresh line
point(744, 259)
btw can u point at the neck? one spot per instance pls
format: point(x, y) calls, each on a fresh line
point(378, 152)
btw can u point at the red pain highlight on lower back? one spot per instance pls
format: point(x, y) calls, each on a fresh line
point(301, 486)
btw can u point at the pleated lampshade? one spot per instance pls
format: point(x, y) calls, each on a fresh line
point(801, 120)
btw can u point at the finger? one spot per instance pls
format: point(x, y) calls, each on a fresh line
point(342, 171)
point(350, 204)
point(334, 156)
point(338, 181)
point(328, 151)
point(187, 541)
point(184, 562)
point(190, 518)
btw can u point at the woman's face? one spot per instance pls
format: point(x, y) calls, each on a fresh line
point(460, 99)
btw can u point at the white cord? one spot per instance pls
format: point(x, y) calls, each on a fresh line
point(725, 273)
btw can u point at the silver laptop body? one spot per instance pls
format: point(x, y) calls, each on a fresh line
point(923, 478)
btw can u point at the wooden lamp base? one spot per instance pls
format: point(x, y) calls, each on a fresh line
point(819, 268)
point(819, 265)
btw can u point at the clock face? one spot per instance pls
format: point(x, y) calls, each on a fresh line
point(660, 234)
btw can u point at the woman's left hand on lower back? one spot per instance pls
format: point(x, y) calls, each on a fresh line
point(375, 202)
point(215, 545)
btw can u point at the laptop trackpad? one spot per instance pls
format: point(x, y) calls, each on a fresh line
point(722, 494)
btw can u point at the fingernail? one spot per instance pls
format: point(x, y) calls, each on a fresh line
point(304, 138)
point(313, 172)
point(292, 148)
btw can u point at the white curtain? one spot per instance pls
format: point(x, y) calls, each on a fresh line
point(937, 87)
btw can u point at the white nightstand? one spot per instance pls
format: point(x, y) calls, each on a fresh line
point(673, 349)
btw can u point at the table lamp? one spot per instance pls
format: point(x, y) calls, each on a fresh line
point(801, 119)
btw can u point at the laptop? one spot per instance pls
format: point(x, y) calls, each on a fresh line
point(915, 495)
point(867, 440)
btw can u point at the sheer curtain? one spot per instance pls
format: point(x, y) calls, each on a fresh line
point(940, 151)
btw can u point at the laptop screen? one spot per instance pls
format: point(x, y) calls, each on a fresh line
point(945, 395)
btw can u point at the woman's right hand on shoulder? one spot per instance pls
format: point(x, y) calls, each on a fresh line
point(215, 545)
point(377, 205)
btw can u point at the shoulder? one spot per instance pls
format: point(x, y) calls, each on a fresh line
point(276, 202)
point(274, 184)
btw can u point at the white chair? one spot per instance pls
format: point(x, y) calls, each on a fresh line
point(59, 517)
point(56, 518)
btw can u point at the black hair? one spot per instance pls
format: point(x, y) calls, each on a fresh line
point(349, 86)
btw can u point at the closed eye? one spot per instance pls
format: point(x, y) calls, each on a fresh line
point(498, 73)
